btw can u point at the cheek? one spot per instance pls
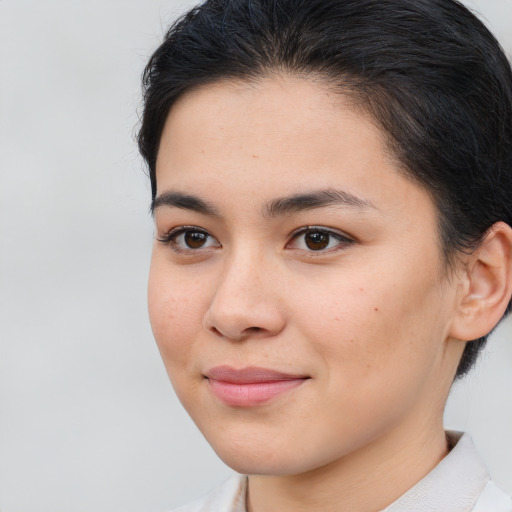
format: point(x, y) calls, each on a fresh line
point(175, 314)
point(370, 328)
point(377, 349)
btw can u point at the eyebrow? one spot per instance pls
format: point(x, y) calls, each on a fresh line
point(183, 201)
point(318, 199)
point(277, 207)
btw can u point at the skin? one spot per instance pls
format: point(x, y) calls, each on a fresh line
point(370, 319)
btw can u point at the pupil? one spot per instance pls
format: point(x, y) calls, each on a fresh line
point(317, 240)
point(195, 239)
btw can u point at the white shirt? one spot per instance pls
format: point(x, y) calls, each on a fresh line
point(459, 483)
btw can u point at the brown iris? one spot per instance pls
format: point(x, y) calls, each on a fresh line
point(195, 239)
point(316, 240)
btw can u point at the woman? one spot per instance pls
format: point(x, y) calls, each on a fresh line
point(332, 183)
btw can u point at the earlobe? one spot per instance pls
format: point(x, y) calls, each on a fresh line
point(488, 286)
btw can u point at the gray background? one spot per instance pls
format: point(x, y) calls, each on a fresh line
point(88, 421)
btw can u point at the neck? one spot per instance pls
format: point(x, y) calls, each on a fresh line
point(367, 480)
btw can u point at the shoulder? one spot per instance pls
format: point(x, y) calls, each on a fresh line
point(493, 499)
point(229, 497)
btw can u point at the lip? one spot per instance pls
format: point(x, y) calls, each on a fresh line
point(250, 386)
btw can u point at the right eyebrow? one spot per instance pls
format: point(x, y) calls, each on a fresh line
point(183, 201)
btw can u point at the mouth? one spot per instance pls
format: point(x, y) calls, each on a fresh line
point(250, 386)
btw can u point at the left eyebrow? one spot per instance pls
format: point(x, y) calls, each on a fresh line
point(318, 199)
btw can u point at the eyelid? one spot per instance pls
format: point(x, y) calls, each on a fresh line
point(170, 236)
point(343, 238)
point(173, 232)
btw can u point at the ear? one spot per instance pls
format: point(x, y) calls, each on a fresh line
point(487, 285)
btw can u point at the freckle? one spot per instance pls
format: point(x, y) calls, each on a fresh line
point(255, 156)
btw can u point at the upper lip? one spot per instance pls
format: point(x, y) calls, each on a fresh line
point(249, 375)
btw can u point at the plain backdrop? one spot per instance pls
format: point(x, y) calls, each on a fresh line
point(88, 420)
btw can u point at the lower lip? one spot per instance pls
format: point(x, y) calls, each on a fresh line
point(251, 394)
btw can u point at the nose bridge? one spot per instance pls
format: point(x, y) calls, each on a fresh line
point(246, 302)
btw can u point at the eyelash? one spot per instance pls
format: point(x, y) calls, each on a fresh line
point(343, 240)
point(171, 237)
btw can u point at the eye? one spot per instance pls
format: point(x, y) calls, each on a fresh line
point(189, 238)
point(318, 239)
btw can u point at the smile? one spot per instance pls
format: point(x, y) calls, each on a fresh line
point(250, 386)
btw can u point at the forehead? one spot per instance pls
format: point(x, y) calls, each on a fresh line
point(277, 136)
point(254, 117)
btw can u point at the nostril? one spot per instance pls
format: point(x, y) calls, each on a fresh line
point(215, 330)
point(246, 333)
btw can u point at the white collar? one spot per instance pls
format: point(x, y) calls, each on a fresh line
point(454, 485)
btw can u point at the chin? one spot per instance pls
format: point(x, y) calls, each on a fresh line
point(262, 463)
point(252, 456)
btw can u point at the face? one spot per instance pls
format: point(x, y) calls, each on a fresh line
point(296, 292)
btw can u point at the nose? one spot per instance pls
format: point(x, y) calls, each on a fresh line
point(246, 302)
